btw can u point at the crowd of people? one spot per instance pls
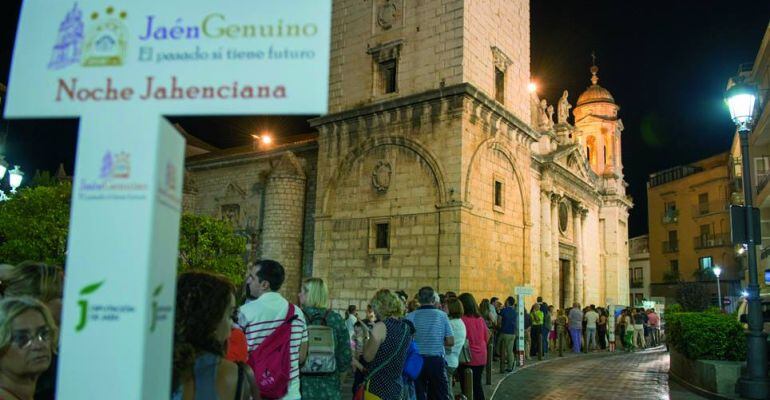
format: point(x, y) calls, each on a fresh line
point(255, 344)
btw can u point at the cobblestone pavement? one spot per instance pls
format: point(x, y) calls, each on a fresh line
point(642, 375)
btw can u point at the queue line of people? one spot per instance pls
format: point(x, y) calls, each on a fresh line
point(269, 348)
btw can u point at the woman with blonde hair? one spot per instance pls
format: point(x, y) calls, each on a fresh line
point(386, 351)
point(27, 342)
point(314, 301)
point(45, 283)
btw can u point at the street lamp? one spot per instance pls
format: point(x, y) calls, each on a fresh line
point(753, 384)
point(15, 178)
point(718, 271)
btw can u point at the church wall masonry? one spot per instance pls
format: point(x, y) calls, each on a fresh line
point(444, 181)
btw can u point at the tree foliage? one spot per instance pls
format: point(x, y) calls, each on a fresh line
point(693, 296)
point(706, 335)
point(209, 244)
point(34, 224)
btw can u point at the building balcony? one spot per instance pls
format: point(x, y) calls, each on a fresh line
point(671, 246)
point(712, 240)
point(670, 216)
point(636, 284)
point(709, 208)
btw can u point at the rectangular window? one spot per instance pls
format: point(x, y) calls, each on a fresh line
point(638, 274)
point(388, 76)
point(674, 265)
point(382, 240)
point(498, 194)
point(672, 236)
point(703, 203)
point(499, 85)
point(670, 206)
point(761, 169)
point(705, 230)
point(705, 262)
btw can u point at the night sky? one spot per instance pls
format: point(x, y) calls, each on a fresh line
point(665, 62)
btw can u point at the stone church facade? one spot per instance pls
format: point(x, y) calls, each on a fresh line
point(435, 166)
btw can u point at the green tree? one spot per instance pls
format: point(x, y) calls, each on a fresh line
point(34, 224)
point(209, 244)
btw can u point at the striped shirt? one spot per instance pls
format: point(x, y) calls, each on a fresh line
point(261, 317)
point(431, 326)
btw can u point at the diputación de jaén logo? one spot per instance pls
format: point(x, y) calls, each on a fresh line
point(83, 304)
point(102, 42)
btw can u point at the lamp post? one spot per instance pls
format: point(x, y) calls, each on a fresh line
point(718, 271)
point(753, 384)
point(15, 177)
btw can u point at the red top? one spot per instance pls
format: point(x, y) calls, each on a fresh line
point(477, 337)
point(236, 346)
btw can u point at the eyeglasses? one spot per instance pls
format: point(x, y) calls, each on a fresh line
point(24, 339)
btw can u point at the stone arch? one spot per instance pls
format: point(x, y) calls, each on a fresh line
point(493, 144)
point(370, 144)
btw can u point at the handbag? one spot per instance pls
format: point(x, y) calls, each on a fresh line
point(465, 353)
point(363, 392)
point(414, 362)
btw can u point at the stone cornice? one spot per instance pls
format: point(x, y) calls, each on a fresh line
point(229, 160)
point(462, 89)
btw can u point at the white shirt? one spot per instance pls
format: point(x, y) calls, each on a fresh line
point(591, 317)
point(261, 317)
point(350, 323)
point(459, 334)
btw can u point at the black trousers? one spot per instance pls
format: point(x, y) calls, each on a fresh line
point(601, 331)
point(432, 383)
point(478, 390)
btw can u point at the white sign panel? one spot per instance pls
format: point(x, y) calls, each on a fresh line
point(524, 290)
point(121, 261)
point(192, 57)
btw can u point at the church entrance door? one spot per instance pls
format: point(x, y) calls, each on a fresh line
point(564, 282)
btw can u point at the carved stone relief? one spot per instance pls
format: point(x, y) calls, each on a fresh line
point(381, 176)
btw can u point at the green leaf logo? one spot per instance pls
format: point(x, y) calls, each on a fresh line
point(157, 290)
point(91, 288)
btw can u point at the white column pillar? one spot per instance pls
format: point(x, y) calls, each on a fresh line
point(577, 227)
point(546, 248)
point(555, 270)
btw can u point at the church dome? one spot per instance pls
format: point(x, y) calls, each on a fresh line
point(595, 93)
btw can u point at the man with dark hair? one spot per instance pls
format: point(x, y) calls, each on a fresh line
point(260, 318)
point(432, 334)
point(509, 319)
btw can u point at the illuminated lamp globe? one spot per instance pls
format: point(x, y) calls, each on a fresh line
point(741, 98)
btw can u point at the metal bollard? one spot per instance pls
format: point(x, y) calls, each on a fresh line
point(468, 379)
point(490, 354)
point(539, 344)
point(503, 357)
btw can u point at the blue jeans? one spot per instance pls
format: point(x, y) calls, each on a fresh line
point(545, 333)
point(432, 383)
point(576, 334)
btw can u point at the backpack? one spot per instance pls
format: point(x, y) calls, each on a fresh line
point(271, 360)
point(321, 358)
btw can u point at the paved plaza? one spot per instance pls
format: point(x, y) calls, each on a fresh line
point(642, 375)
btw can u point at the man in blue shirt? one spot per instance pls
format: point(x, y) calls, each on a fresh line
point(508, 327)
point(432, 335)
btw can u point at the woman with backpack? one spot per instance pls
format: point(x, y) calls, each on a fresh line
point(204, 306)
point(328, 352)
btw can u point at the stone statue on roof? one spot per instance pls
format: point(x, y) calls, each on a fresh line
point(564, 107)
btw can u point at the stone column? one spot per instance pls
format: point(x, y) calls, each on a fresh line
point(577, 227)
point(282, 227)
point(555, 269)
point(545, 244)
